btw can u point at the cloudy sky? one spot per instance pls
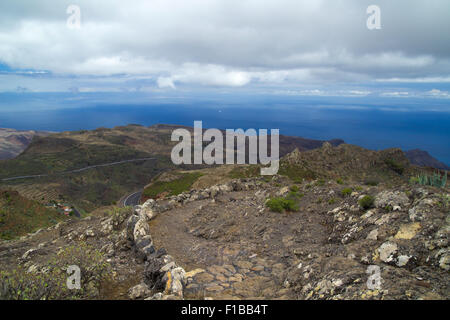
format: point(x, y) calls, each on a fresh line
point(291, 47)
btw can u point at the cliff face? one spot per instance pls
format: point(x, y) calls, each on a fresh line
point(424, 159)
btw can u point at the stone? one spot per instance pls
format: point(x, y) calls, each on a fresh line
point(131, 223)
point(194, 272)
point(139, 291)
point(408, 231)
point(373, 235)
point(141, 229)
point(204, 277)
point(387, 251)
point(391, 198)
point(403, 260)
point(243, 264)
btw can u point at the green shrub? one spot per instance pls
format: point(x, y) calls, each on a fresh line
point(366, 202)
point(394, 165)
point(332, 201)
point(346, 192)
point(281, 204)
point(339, 181)
point(294, 188)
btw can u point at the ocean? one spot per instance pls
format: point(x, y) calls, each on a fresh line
point(375, 124)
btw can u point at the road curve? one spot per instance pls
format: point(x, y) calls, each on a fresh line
point(132, 199)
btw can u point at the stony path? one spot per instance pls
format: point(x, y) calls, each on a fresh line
point(244, 279)
point(234, 248)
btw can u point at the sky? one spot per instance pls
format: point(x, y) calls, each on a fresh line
point(279, 47)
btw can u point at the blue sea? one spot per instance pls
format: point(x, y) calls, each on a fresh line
point(371, 123)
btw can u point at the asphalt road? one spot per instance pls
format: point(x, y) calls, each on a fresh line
point(77, 170)
point(132, 199)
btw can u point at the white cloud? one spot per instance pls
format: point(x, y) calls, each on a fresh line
point(438, 93)
point(230, 43)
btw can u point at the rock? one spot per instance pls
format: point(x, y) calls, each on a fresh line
point(153, 276)
point(243, 264)
point(176, 281)
point(391, 198)
point(193, 273)
point(283, 191)
point(143, 241)
point(141, 229)
point(421, 210)
point(407, 231)
point(131, 223)
point(139, 291)
point(387, 251)
point(90, 233)
point(403, 260)
point(373, 235)
point(27, 255)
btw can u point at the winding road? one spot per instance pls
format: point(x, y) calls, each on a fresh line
point(132, 199)
point(77, 170)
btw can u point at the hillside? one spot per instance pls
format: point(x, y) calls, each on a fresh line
point(19, 216)
point(13, 142)
point(56, 154)
point(424, 159)
point(52, 156)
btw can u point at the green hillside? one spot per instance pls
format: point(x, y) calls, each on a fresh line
point(19, 216)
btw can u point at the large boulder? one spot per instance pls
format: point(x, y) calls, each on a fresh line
point(391, 198)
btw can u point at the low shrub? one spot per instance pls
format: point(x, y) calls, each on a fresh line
point(281, 204)
point(366, 202)
point(346, 192)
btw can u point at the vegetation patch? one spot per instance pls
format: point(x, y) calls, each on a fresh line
point(182, 183)
point(19, 216)
point(296, 173)
point(394, 165)
point(280, 204)
point(346, 192)
point(366, 202)
point(245, 172)
point(436, 180)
